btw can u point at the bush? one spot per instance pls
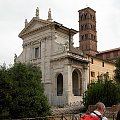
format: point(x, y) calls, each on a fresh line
point(22, 93)
point(106, 91)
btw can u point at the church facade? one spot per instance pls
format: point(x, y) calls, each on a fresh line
point(66, 70)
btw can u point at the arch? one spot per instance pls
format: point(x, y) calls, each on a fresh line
point(94, 27)
point(85, 16)
point(92, 36)
point(81, 17)
point(76, 82)
point(85, 26)
point(82, 26)
point(91, 26)
point(90, 16)
point(59, 84)
point(86, 36)
point(82, 37)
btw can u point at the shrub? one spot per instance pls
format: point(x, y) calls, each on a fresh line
point(22, 93)
point(106, 91)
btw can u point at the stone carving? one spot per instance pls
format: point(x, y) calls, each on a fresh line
point(15, 57)
point(37, 12)
point(66, 46)
point(26, 22)
point(49, 15)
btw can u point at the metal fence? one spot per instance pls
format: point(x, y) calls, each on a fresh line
point(61, 117)
point(56, 117)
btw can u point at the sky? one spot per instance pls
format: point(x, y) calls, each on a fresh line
point(14, 12)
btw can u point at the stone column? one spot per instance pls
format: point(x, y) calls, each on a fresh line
point(85, 78)
point(68, 82)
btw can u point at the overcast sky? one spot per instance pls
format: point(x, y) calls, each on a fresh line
point(14, 12)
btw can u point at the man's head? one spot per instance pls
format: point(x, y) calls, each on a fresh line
point(100, 107)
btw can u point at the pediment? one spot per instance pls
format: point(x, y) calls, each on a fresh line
point(33, 25)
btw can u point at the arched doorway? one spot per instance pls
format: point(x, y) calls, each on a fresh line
point(59, 84)
point(76, 83)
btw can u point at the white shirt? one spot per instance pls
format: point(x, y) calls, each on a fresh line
point(98, 113)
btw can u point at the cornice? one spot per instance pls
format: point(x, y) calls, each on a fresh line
point(35, 31)
point(34, 19)
point(31, 43)
point(71, 56)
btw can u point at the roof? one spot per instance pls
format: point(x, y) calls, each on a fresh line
point(96, 57)
point(87, 9)
point(110, 50)
point(73, 31)
point(31, 23)
point(37, 24)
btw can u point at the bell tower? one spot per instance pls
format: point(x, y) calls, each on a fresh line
point(87, 31)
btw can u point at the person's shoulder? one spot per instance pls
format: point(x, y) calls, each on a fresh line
point(89, 116)
point(96, 112)
point(104, 118)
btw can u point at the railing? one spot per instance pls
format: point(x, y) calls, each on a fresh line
point(56, 117)
point(61, 117)
point(74, 113)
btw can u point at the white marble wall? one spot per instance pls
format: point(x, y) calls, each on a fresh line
point(52, 61)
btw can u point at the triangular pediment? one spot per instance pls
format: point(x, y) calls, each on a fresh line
point(33, 25)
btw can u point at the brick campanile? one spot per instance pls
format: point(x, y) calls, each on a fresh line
point(87, 31)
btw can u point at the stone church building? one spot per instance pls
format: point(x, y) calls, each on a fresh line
point(65, 69)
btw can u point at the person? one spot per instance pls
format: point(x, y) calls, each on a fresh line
point(99, 110)
point(118, 113)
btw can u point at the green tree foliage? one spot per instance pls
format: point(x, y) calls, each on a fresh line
point(22, 93)
point(117, 70)
point(106, 91)
point(5, 90)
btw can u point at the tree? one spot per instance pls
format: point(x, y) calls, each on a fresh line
point(117, 70)
point(5, 90)
point(25, 91)
point(106, 91)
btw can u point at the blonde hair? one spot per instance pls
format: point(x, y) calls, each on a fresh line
point(100, 106)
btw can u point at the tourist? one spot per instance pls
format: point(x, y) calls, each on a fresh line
point(97, 114)
point(99, 111)
point(118, 115)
